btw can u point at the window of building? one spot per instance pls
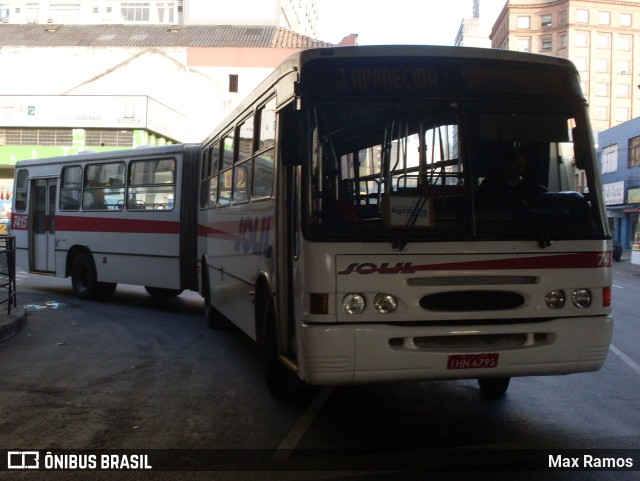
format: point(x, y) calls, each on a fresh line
point(524, 44)
point(634, 152)
point(582, 15)
point(580, 63)
point(622, 114)
point(603, 40)
point(604, 18)
point(135, 11)
point(626, 20)
point(602, 65)
point(523, 22)
point(624, 42)
point(610, 158)
point(64, 13)
point(564, 40)
point(545, 20)
point(624, 67)
point(623, 91)
point(601, 112)
point(36, 137)
point(166, 12)
point(602, 89)
point(546, 44)
point(108, 137)
point(582, 39)
point(4, 11)
point(233, 83)
point(563, 17)
point(32, 12)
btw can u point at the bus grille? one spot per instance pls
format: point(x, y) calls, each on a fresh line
point(472, 301)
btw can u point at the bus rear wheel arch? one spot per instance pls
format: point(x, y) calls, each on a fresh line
point(84, 279)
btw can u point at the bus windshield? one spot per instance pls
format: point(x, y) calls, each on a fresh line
point(449, 168)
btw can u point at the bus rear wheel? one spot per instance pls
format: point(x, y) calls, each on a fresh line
point(162, 292)
point(84, 280)
point(493, 387)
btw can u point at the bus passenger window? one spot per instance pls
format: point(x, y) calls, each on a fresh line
point(152, 184)
point(224, 187)
point(104, 186)
point(241, 182)
point(263, 162)
point(21, 190)
point(70, 188)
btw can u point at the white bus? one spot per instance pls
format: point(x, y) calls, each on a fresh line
point(344, 227)
point(125, 216)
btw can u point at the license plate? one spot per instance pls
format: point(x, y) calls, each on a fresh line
point(473, 361)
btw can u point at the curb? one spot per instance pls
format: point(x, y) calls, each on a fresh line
point(12, 324)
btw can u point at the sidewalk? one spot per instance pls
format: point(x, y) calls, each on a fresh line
point(625, 266)
point(11, 324)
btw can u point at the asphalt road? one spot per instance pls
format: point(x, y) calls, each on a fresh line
point(140, 374)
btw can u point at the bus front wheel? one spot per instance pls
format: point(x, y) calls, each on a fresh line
point(84, 280)
point(281, 381)
point(493, 387)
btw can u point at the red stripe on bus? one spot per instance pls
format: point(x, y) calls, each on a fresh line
point(107, 224)
point(578, 260)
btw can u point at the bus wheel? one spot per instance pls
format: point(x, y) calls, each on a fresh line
point(493, 387)
point(161, 292)
point(85, 280)
point(281, 381)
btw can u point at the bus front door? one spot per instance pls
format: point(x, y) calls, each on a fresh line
point(43, 195)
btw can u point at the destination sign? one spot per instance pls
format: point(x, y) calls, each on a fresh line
point(412, 77)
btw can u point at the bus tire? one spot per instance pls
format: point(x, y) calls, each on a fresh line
point(162, 292)
point(84, 279)
point(493, 387)
point(281, 381)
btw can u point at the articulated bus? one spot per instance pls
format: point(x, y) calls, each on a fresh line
point(127, 216)
point(358, 218)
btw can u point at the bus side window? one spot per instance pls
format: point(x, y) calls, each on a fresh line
point(242, 168)
point(263, 162)
point(152, 184)
point(21, 190)
point(70, 188)
point(103, 186)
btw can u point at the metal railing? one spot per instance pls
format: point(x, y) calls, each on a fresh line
point(8, 271)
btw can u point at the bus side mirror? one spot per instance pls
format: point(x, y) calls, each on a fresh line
point(291, 137)
point(581, 147)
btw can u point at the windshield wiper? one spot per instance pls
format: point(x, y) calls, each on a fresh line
point(543, 238)
point(401, 242)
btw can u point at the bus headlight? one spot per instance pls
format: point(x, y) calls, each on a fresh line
point(385, 303)
point(555, 299)
point(581, 298)
point(353, 303)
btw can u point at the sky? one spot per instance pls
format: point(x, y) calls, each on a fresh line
point(433, 22)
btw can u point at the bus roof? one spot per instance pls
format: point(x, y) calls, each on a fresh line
point(89, 156)
point(297, 61)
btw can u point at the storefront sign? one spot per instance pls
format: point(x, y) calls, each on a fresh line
point(614, 193)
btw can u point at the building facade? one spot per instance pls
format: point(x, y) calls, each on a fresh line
point(300, 16)
point(601, 37)
point(619, 153)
